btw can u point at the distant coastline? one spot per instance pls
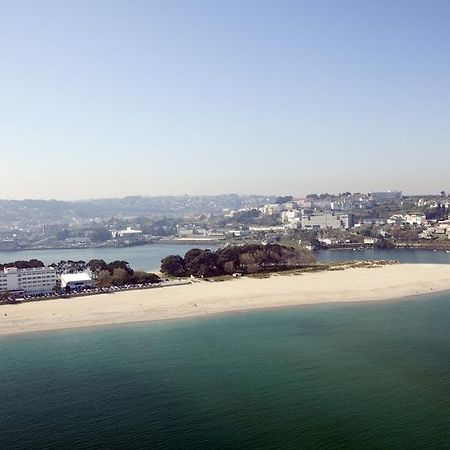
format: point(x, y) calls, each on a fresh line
point(203, 241)
point(439, 246)
point(138, 244)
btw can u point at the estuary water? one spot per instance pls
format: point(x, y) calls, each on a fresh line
point(148, 257)
point(409, 256)
point(145, 257)
point(351, 376)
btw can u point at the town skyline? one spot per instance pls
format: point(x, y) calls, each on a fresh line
point(224, 194)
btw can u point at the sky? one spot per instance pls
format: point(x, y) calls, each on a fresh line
point(113, 98)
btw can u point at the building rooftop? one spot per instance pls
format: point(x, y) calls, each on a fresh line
point(73, 277)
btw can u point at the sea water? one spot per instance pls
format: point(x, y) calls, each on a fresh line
point(349, 376)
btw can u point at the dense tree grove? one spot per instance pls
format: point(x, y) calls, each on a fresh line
point(383, 243)
point(32, 263)
point(101, 235)
point(245, 217)
point(118, 273)
point(249, 258)
point(174, 265)
point(439, 212)
point(280, 200)
point(69, 266)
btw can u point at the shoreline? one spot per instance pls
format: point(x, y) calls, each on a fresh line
point(101, 247)
point(203, 298)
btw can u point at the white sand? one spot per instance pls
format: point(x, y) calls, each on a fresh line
point(203, 298)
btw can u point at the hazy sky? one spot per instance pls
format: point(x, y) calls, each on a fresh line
point(112, 98)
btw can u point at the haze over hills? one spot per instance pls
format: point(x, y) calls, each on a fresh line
point(12, 210)
point(130, 206)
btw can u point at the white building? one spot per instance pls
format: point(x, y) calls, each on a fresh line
point(415, 219)
point(408, 219)
point(292, 218)
point(79, 280)
point(127, 235)
point(39, 280)
point(267, 229)
point(271, 209)
point(329, 241)
point(396, 219)
point(238, 233)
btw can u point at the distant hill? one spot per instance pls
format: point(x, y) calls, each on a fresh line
point(12, 211)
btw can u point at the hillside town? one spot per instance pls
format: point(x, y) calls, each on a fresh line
point(383, 219)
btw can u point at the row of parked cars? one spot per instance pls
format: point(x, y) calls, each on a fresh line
point(91, 291)
point(102, 290)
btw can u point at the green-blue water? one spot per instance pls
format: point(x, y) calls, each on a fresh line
point(359, 376)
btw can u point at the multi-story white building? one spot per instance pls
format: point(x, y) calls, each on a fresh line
point(128, 235)
point(39, 280)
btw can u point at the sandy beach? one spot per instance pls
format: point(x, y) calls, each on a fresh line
point(204, 298)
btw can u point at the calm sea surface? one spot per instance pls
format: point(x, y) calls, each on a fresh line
point(360, 376)
point(148, 257)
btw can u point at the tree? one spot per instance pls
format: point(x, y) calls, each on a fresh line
point(229, 267)
point(190, 256)
point(203, 265)
point(145, 277)
point(119, 265)
point(119, 277)
point(5, 295)
point(104, 278)
point(101, 235)
point(163, 227)
point(35, 263)
point(383, 243)
point(246, 217)
point(25, 264)
point(246, 259)
point(96, 265)
point(280, 200)
point(228, 259)
point(437, 213)
point(173, 265)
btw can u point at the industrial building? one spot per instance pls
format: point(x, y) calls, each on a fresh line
point(327, 220)
point(76, 281)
